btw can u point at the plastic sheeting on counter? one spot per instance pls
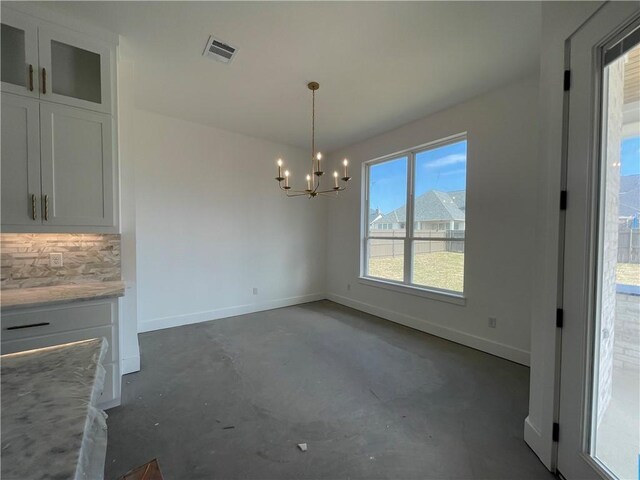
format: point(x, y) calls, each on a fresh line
point(50, 425)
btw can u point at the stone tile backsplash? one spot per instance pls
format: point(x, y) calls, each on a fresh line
point(85, 257)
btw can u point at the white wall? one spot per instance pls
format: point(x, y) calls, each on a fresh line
point(559, 21)
point(501, 200)
point(211, 225)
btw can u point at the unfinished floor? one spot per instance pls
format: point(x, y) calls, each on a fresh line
point(231, 398)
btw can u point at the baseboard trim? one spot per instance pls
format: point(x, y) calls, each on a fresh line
point(130, 365)
point(537, 443)
point(479, 343)
point(197, 317)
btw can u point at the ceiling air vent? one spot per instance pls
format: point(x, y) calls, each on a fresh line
point(219, 50)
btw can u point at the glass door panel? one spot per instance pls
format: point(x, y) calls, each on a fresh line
point(75, 72)
point(19, 54)
point(14, 64)
point(615, 436)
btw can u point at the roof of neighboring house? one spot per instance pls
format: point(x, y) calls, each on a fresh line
point(460, 198)
point(374, 214)
point(629, 196)
point(431, 206)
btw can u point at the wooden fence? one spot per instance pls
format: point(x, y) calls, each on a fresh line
point(628, 245)
point(395, 248)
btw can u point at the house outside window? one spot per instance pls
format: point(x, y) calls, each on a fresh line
point(420, 195)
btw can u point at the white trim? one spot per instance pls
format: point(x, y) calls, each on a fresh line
point(197, 317)
point(533, 438)
point(441, 142)
point(409, 238)
point(45, 14)
point(442, 296)
point(483, 344)
point(130, 365)
point(110, 404)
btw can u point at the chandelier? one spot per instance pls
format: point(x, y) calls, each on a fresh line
point(314, 176)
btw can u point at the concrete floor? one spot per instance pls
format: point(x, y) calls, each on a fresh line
point(372, 399)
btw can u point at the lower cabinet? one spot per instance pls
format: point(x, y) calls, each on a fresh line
point(30, 328)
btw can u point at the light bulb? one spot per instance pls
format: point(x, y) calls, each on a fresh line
point(335, 174)
point(308, 177)
point(286, 173)
point(345, 162)
point(279, 162)
point(319, 156)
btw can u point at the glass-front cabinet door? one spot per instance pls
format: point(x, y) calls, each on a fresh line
point(19, 54)
point(74, 71)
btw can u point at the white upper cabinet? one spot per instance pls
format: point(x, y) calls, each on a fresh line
point(74, 70)
point(77, 166)
point(59, 149)
point(55, 64)
point(21, 200)
point(19, 54)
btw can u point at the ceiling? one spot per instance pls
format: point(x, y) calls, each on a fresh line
point(379, 64)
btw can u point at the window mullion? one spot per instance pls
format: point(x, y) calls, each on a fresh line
point(408, 224)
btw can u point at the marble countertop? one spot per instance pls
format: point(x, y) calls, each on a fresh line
point(47, 409)
point(43, 296)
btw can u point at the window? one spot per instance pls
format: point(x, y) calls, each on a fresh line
point(420, 195)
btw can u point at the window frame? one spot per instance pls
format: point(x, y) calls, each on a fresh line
point(409, 239)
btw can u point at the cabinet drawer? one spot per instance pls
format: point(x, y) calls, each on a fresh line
point(10, 345)
point(49, 320)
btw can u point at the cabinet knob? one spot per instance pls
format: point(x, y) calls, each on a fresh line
point(34, 215)
point(30, 78)
point(44, 81)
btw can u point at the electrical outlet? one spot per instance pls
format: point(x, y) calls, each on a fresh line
point(55, 260)
point(255, 291)
point(493, 322)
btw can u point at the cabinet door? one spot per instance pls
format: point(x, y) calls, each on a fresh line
point(20, 161)
point(77, 167)
point(19, 54)
point(74, 70)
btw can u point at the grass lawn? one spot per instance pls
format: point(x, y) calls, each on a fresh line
point(445, 270)
point(628, 273)
point(437, 269)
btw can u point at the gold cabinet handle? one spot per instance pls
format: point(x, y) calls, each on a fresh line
point(46, 208)
point(34, 215)
point(30, 78)
point(44, 80)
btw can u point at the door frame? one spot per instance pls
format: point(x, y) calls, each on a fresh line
point(578, 287)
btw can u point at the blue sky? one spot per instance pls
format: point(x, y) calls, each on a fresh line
point(444, 169)
point(441, 168)
point(630, 156)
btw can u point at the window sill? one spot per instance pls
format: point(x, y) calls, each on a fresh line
point(441, 296)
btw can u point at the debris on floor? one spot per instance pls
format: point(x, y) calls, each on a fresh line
point(148, 471)
point(302, 446)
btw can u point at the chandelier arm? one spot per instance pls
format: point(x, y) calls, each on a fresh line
point(318, 185)
point(332, 190)
point(297, 194)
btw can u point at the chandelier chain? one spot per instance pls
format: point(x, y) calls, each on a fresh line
point(313, 128)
